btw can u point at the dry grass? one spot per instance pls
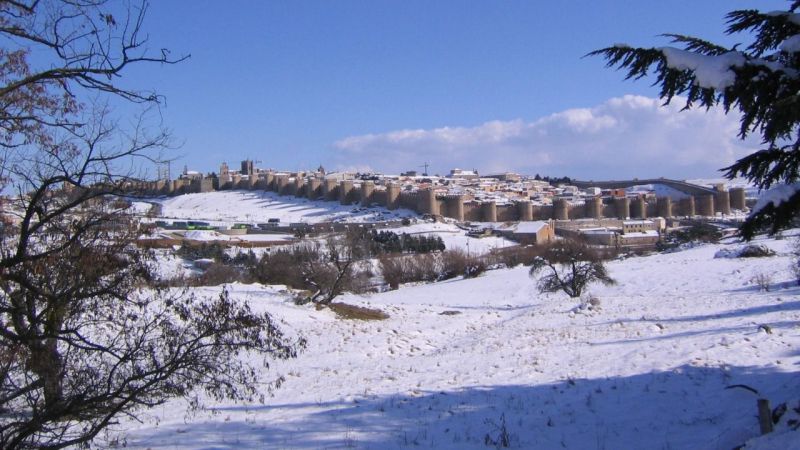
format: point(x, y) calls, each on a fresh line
point(351, 312)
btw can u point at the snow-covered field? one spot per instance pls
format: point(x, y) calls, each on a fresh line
point(647, 370)
point(455, 238)
point(260, 206)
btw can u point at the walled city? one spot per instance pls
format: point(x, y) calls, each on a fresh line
point(465, 196)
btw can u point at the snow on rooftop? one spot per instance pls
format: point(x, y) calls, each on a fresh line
point(599, 230)
point(642, 233)
point(530, 227)
point(205, 235)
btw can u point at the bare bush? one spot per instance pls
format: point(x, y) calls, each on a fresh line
point(397, 269)
point(795, 265)
point(475, 267)
point(514, 256)
point(570, 265)
point(218, 274)
point(456, 263)
point(763, 281)
point(392, 269)
point(424, 267)
point(324, 271)
point(279, 267)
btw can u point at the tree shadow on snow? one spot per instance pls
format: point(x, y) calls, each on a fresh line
point(687, 407)
point(778, 287)
point(733, 313)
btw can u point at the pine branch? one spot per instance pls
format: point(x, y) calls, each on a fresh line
point(767, 167)
point(770, 29)
point(771, 217)
point(762, 83)
point(697, 45)
point(638, 62)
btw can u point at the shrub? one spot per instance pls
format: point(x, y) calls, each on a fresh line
point(763, 281)
point(213, 250)
point(423, 267)
point(697, 232)
point(514, 256)
point(278, 267)
point(796, 261)
point(570, 265)
point(456, 262)
point(220, 274)
point(392, 269)
point(756, 251)
point(397, 269)
point(324, 271)
point(475, 267)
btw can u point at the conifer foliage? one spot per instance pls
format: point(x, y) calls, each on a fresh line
point(760, 80)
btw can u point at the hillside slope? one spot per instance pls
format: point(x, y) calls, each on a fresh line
point(647, 370)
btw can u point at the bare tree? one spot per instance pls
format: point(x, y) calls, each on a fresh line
point(570, 265)
point(330, 270)
point(84, 338)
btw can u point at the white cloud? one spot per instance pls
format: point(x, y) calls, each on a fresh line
point(630, 136)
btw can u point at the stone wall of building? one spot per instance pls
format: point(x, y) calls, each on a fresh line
point(508, 212)
point(473, 211)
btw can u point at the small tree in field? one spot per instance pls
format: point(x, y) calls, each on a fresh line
point(760, 80)
point(569, 266)
point(328, 271)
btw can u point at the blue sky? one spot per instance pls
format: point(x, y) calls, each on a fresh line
point(389, 85)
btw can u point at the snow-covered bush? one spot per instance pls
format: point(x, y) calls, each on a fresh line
point(747, 251)
point(756, 251)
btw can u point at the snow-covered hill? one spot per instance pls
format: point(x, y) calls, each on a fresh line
point(260, 206)
point(463, 363)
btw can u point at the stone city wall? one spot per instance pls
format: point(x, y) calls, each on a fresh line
point(459, 207)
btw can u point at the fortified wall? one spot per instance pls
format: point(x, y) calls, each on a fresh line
point(706, 202)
